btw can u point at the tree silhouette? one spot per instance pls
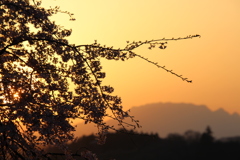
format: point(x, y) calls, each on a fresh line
point(37, 66)
point(192, 136)
point(207, 137)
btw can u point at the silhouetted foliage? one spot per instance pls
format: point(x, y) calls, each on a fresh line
point(141, 146)
point(37, 66)
point(206, 137)
point(191, 136)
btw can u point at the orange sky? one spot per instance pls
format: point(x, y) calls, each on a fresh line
point(212, 61)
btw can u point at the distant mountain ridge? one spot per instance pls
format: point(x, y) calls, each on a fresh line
point(165, 118)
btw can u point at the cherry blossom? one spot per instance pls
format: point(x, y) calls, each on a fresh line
point(37, 66)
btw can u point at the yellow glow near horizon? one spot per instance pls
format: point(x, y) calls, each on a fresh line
point(212, 61)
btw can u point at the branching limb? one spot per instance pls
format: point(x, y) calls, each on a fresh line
point(163, 67)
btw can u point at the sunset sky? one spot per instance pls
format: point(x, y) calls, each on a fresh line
point(212, 62)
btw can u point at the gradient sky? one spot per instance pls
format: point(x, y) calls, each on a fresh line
point(211, 62)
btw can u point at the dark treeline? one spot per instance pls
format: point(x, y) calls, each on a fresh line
point(142, 146)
